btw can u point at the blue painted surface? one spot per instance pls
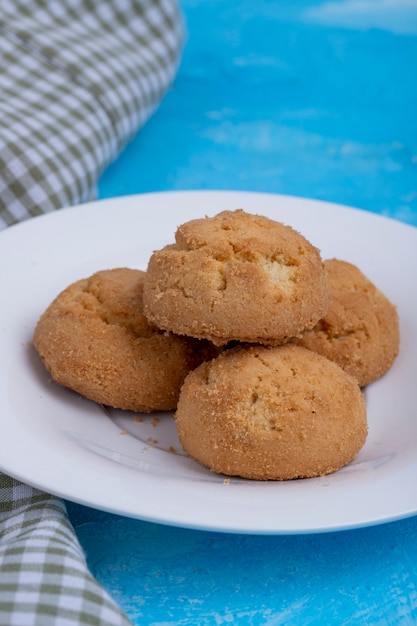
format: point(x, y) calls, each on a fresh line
point(170, 576)
point(305, 98)
point(281, 97)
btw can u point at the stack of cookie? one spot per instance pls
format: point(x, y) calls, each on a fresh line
point(260, 346)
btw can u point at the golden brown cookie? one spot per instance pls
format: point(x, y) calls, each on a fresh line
point(94, 339)
point(273, 413)
point(360, 330)
point(236, 276)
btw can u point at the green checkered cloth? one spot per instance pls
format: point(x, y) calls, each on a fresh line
point(78, 78)
point(44, 579)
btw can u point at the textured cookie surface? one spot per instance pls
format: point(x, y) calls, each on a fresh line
point(236, 276)
point(94, 339)
point(273, 413)
point(360, 331)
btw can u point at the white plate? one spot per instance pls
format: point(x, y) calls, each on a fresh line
point(64, 444)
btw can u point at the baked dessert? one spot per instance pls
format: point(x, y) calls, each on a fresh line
point(236, 277)
point(94, 339)
point(360, 330)
point(271, 413)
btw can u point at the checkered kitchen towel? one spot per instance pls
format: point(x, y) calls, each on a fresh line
point(44, 579)
point(78, 78)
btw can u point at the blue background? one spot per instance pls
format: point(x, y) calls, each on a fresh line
point(288, 97)
point(308, 98)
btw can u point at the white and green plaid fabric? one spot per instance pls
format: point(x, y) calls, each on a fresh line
point(44, 579)
point(78, 78)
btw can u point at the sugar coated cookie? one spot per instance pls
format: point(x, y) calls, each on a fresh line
point(236, 276)
point(360, 330)
point(94, 339)
point(271, 413)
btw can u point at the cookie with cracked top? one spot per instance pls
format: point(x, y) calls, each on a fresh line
point(236, 277)
point(94, 339)
point(360, 330)
point(271, 413)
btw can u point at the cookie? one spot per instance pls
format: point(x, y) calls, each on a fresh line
point(236, 277)
point(94, 339)
point(271, 413)
point(360, 330)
